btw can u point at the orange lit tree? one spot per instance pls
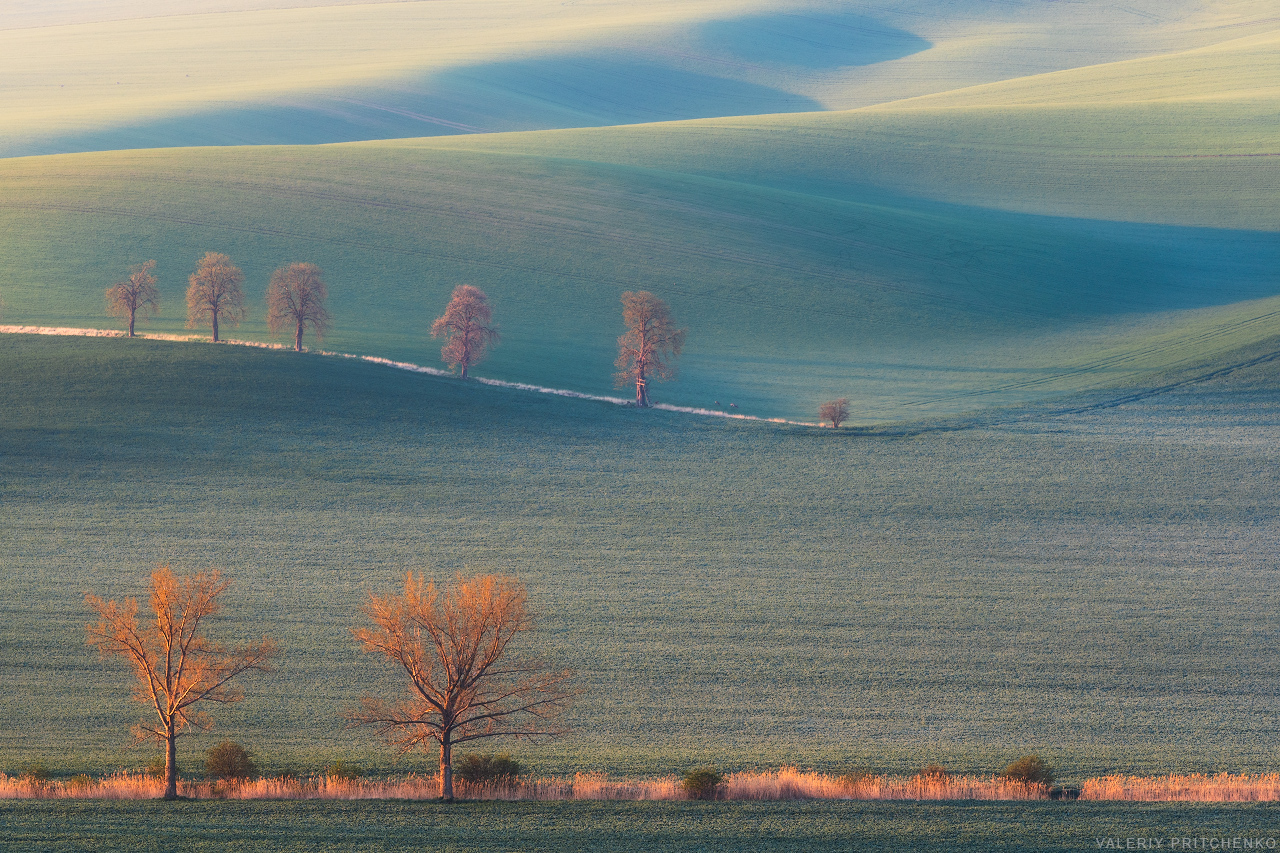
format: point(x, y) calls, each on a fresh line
point(464, 683)
point(648, 349)
point(467, 328)
point(175, 667)
point(295, 299)
point(136, 293)
point(214, 294)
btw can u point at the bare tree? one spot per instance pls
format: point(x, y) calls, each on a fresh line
point(296, 298)
point(466, 327)
point(836, 411)
point(463, 685)
point(136, 293)
point(174, 665)
point(649, 346)
point(214, 293)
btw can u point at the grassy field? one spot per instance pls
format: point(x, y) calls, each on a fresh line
point(1097, 586)
point(390, 826)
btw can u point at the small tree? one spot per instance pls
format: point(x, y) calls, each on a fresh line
point(1029, 770)
point(702, 783)
point(174, 665)
point(463, 685)
point(136, 293)
point(466, 328)
point(229, 760)
point(836, 411)
point(650, 345)
point(214, 293)
point(295, 298)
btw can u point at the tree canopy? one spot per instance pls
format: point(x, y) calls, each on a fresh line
point(467, 328)
point(214, 294)
point(136, 293)
point(295, 298)
point(465, 681)
point(176, 667)
point(648, 349)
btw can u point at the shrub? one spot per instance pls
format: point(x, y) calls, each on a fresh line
point(34, 773)
point(345, 770)
point(80, 782)
point(155, 767)
point(1029, 770)
point(487, 769)
point(934, 773)
point(701, 783)
point(229, 760)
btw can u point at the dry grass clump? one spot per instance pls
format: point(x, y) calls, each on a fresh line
point(1219, 788)
point(785, 783)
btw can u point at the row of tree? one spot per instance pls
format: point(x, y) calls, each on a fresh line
point(646, 351)
point(452, 643)
point(296, 300)
point(215, 297)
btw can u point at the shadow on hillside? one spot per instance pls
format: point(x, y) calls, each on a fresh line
point(607, 87)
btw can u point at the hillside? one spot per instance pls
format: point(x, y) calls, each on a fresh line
point(85, 76)
point(1063, 583)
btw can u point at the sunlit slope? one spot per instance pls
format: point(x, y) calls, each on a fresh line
point(1190, 139)
point(130, 74)
point(907, 306)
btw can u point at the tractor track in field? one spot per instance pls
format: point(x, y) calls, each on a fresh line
point(898, 430)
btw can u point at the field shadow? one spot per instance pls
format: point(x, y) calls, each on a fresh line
point(534, 94)
point(813, 41)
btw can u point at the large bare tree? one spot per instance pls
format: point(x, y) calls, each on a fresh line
point(467, 328)
point(136, 293)
point(465, 683)
point(175, 666)
point(648, 349)
point(295, 298)
point(214, 294)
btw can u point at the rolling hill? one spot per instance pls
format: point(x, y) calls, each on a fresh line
point(929, 256)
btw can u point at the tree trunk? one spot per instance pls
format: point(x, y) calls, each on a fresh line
point(171, 764)
point(297, 340)
point(446, 770)
point(464, 370)
point(131, 324)
point(215, 327)
point(642, 392)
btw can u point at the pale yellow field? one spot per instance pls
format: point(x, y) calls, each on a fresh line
point(72, 66)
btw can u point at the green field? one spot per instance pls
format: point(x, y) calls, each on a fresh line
point(624, 827)
point(1096, 585)
point(1037, 244)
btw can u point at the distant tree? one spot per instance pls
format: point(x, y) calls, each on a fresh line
point(836, 411)
point(466, 327)
point(650, 345)
point(295, 298)
point(214, 293)
point(463, 684)
point(136, 293)
point(175, 666)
